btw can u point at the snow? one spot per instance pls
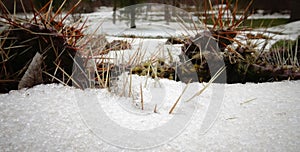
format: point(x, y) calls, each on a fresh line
point(147, 48)
point(149, 22)
point(150, 25)
point(253, 117)
point(269, 16)
point(289, 31)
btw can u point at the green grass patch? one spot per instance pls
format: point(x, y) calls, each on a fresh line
point(258, 23)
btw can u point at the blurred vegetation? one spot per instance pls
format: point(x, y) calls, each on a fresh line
point(259, 23)
point(284, 44)
point(86, 6)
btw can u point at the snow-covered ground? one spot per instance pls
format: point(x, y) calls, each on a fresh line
point(253, 117)
point(225, 117)
point(152, 24)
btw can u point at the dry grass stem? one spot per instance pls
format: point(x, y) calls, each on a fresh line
point(247, 101)
point(178, 99)
point(217, 74)
point(142, 98)
point(155, 108)
point(130, 83)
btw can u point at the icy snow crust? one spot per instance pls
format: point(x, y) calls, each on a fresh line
point(253, 117)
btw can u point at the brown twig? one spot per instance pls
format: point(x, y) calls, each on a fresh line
point(142, 98)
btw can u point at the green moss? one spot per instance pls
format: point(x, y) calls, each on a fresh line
point(259, 23)
point(283, 44)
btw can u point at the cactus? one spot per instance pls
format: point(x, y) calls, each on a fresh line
point(22, 38)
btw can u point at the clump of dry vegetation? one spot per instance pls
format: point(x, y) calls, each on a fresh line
point(39, 49)
point(244, 61)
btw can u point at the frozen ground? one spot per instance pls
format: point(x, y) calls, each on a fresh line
point(253, 117)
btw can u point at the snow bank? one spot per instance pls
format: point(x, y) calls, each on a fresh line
point(253, 117)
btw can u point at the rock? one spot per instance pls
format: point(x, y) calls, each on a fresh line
point(33, 74)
